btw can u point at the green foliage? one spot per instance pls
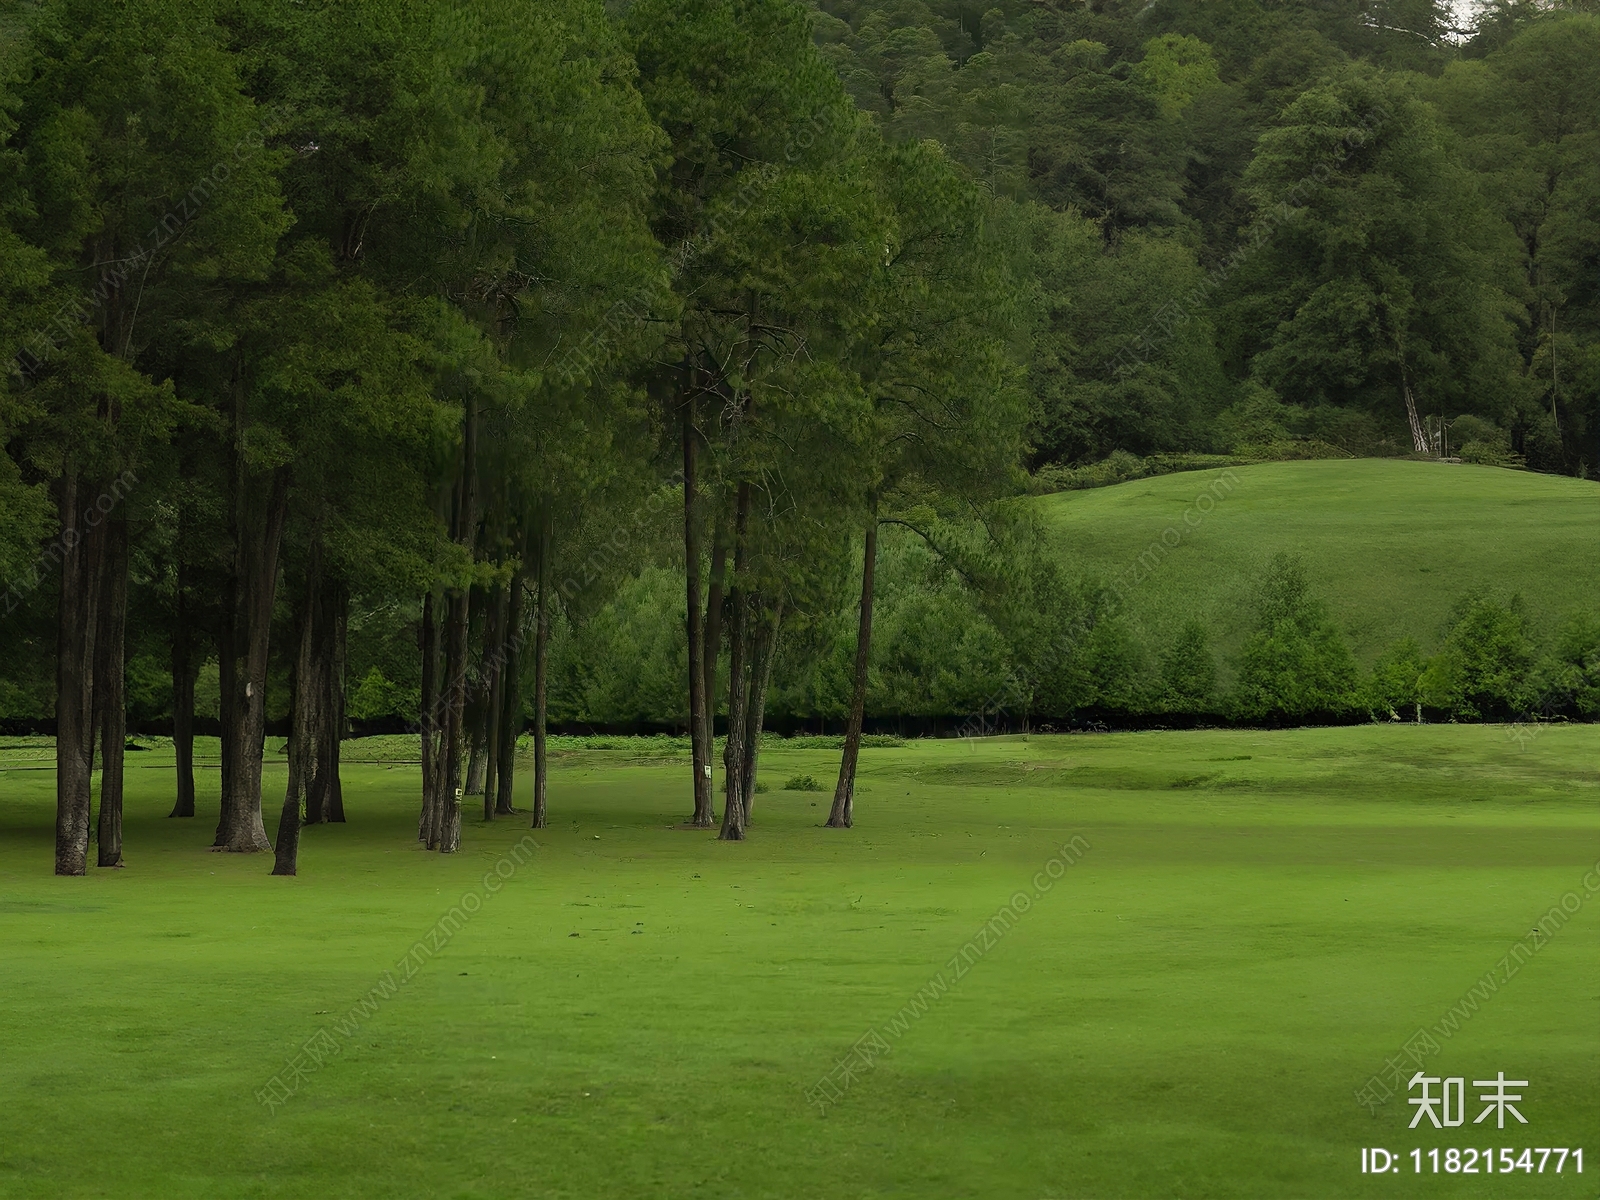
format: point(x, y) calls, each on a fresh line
point(1189, 672)
point(1485, 668)
point(801, 783)
point(1296, 664)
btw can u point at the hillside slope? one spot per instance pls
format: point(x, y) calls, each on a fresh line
point(1391, 545)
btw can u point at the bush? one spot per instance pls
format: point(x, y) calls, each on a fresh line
point(1573, 676)
point(802, 783)
point(1189, 672)
point(1486, 666)
point(1396, 684)
point(1296, 663)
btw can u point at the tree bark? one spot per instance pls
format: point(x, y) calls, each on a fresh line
point(713, 635)
point(511, 702)
point(762, 658)
point(842, 815)
point(109, 688)
point(738, 653)
point(455, 654)
point(309, 692)
point(76, 620)
point(183, 677)
point(427, 637)
point(336, 627)
point(701, 749)
point(541, 657)
point(497, 646)
point(256, 569)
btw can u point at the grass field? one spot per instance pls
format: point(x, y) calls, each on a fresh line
point(1257, 921)
point(1390, 544)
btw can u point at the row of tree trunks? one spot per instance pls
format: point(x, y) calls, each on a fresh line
point(842, 815)
point(77, 613)
point(699, 723)
point(733, 818)
point(260, 508)
point(109, 688)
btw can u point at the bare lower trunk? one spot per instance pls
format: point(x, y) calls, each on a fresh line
point(76, 618)
point(110, 666)
point(510, 703)
point(309, 692)
point(427, 637)
point(497, 646)
point(541, 657)
point(477, 739)
point(455, 731)
point(738, 653)
point(256, 568)
point(336, 626)
point(183, 674)
point(713, 635)
point(701, 748)
point(764, 653)
point(842, 815)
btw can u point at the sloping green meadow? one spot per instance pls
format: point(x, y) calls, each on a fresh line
point(1139, 965)
point(1391, 545)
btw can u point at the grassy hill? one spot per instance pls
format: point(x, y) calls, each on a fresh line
point(1390, 545)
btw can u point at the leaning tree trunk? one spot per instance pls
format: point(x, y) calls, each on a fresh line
point(307, 699)
point(842, 815)
point(76, 619)
point(183, 674)
point(764, 653)
point(477, 740)
point(701, 750)
point(257, 572)
point(541, 661)
point(738, 654)
point(109, 689)
point(510, 704)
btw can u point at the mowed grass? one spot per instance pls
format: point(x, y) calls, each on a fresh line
point(1391, 545)
point(1259, 920)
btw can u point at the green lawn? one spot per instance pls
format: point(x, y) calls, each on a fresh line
point(1258, 921)
point(1390, 544)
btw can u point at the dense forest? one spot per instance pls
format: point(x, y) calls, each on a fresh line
point(478, 366)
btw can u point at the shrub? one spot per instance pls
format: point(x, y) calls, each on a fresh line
point(1396, 684)
point(802, 783)
point(1486, 666)
point(1296, 663)
point(1189, 672)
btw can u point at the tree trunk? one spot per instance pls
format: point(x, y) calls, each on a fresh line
point(511, 702)
point(704, 814)
point(842, 816)
point(183, 676)
point(738, 653)
point(427, 637)
point(477, 740)
point(76, 619)
point(541, 656)
point(456, 631)
point(713, 635)
point(256, 569)
point(765, 652)
point(309, 693)
point(497, 646)
point(336, 627)
point(109, 688)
